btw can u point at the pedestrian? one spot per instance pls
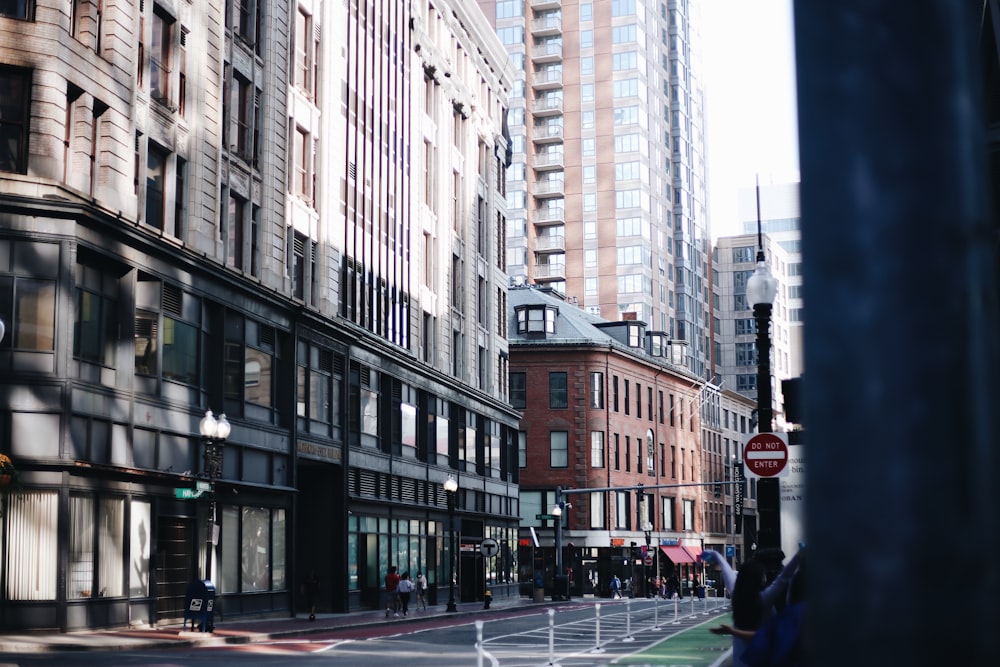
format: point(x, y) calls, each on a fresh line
point(674, 587)
point(421, 586)
point(778, 641)
point(392, 592)
point(616, 588)
point(753, 598)
point(405, 587)
point(310, 589)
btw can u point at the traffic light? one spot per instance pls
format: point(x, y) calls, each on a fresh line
point(718, 490)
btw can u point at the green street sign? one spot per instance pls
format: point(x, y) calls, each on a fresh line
point(188, 494)
point(545, 517)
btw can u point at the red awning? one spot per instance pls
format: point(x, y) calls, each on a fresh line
point(694, 551)
point(677, 555)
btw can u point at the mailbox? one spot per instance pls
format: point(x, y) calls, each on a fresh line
point(199, 605)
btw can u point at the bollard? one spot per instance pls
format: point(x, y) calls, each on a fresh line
point(552, 636)
point(676, 622)
point(693, 612)
point(628, 621)
point(656, 613)
point(597, 629)
point(704, 605)
point(479, 644)
point(487, 599)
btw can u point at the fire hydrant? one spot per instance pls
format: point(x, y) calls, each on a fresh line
point(487, 598)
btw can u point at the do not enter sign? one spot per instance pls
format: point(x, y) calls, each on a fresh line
point(766, 455)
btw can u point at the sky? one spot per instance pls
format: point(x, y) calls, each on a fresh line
point(751, 121)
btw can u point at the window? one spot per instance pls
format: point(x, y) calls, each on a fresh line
point(96, 327)
point(625, 61)
point(253, 548)
point(667, 513)
point(319, 379)
point(156, 176)
point(623, 34)
point(363, 408)
point(597, 390)
point(746, 354)
point(161, 307)
point(96, 556)
point(302, 159)
point(626, 115)
point(244, 25)
point(597, 510)
point(244, 101)
point(306, 50)
point(617, 452)
point(623, 7)
point(650, 454)
point(597, 449)
point(17, 9)
point(536, 319)
point(250, 366)
point(31, 562)
point(518, 390)
point(626, 88)
point(558, 391)
point(558, 449)
point(15, 86)
point(522, 449)
point(159, 55)
point(743, 254)
point(688, 515)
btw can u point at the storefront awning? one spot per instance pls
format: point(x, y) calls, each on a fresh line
point(694, 551)
point(677, 555)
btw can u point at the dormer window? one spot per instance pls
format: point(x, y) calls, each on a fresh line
point(536, 319)
point(657, 344)
point(635, 330)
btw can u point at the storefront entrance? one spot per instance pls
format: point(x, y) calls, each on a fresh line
point(175, 566)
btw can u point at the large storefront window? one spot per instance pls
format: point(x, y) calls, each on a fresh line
point(410, 545)
point(253, 550)
point(140, 533)
point(32, 545)
point(97, 546)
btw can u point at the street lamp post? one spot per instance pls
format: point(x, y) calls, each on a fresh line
point(647, 528)
point(214, 431)
point(557, 579)
point(762, 288)
point(451, 487)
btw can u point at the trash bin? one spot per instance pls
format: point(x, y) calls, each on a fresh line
point(199, 605)
point(538, 594)
point(701, 592)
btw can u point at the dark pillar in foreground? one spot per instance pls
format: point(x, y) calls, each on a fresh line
point(900, 335)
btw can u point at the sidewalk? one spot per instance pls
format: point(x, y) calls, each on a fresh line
point(237, 631)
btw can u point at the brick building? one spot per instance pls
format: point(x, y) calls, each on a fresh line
point(611, 418)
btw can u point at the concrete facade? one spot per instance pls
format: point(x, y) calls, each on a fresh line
point(211, 207)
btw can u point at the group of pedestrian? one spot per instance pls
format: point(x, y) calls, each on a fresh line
point(399, 588)
point(768, 608)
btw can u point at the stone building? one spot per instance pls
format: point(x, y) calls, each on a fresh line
point(292, 215)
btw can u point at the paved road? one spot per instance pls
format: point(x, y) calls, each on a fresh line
point(577, 633)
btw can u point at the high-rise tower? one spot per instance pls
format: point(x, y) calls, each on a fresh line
point(606, 193)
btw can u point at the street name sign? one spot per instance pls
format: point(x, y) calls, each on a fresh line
point(545, 517)
point(766, 455)
point(188, 494)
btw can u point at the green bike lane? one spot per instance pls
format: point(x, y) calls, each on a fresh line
point(692, 647)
